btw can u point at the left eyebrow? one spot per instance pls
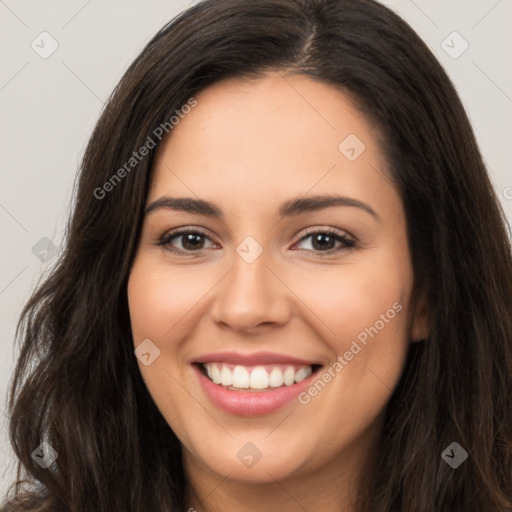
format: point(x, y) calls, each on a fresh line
point(313, 203)
point(290, 208)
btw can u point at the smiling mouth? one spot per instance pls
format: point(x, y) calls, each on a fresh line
point(256, 378)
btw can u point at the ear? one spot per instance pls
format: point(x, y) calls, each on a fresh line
point(420, 322)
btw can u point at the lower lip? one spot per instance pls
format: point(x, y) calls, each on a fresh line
point(251, 403)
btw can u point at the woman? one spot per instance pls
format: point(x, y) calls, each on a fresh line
point(286, 285)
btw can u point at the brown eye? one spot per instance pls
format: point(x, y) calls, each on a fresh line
point(325, 241)
point(189, 240)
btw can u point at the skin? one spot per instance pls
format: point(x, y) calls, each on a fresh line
point(249, 146)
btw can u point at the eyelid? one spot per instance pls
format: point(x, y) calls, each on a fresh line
point(348, 240)
point(326, 229)
point(164, 239)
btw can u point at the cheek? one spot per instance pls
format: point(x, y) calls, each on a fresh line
point(160, 302)
point(349, 299)
point(160, 298)
point(364, 309)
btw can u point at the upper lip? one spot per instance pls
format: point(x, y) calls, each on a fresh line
point(257, 358)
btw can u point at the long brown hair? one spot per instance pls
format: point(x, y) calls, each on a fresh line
point(77, 385)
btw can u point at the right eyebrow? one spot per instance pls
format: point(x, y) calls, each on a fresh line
point(186, 204)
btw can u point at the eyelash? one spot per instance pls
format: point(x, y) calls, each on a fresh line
point(348, 243)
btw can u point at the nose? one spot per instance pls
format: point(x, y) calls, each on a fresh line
point(250, 296)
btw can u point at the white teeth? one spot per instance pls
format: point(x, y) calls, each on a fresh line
point(240, 377)
point(258, 377)
point(275, 378)
point(289, 376)
point(215, 374)
point(302, 374)
point(226, 377)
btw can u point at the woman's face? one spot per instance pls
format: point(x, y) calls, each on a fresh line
point(292, 291)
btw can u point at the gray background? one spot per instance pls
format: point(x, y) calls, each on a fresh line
point(49, 107)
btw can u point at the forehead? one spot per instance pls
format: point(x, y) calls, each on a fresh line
point(265, 139)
